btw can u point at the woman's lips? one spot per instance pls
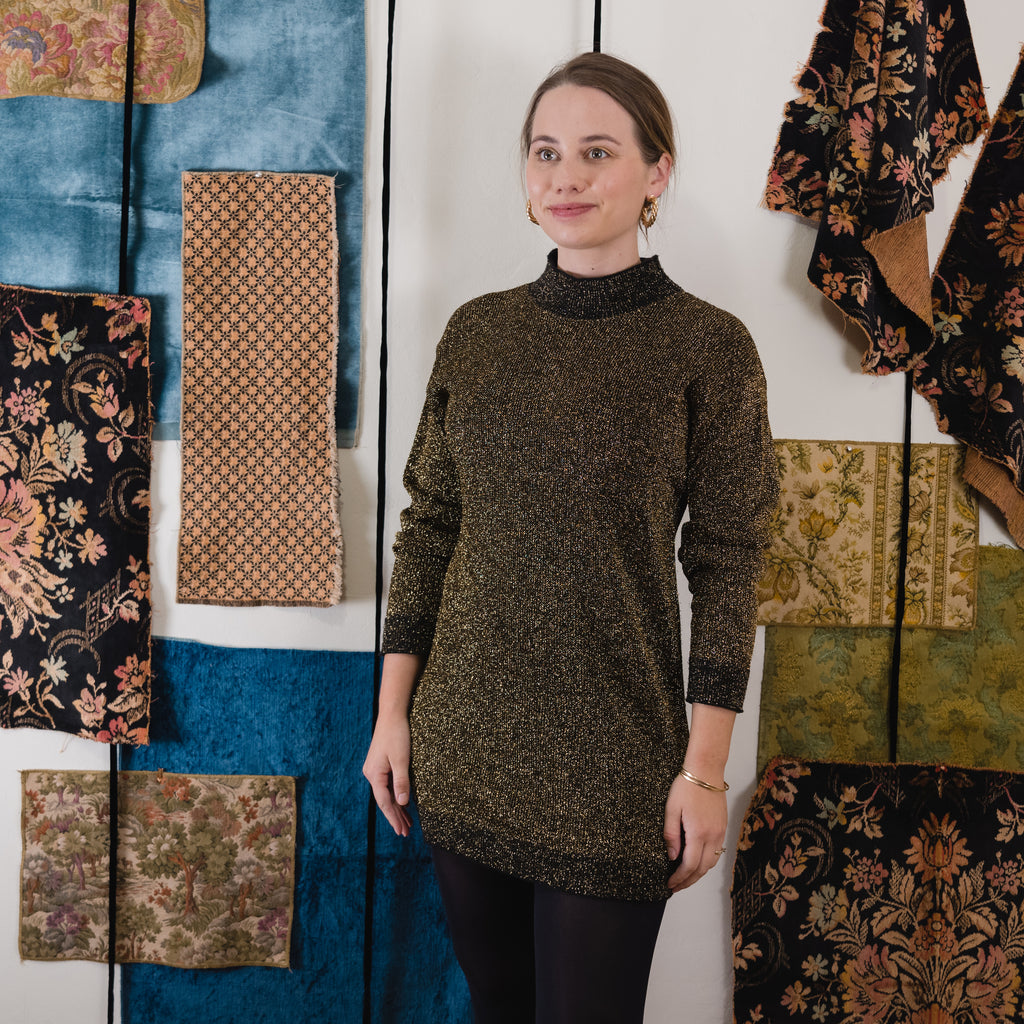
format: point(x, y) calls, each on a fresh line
point(569, 210)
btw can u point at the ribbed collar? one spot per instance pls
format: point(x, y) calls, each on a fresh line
point(589, 298)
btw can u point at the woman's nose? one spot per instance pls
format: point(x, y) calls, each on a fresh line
point(569, 177)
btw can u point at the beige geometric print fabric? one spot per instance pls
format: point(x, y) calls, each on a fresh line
point(260, 505)
point(835, 537)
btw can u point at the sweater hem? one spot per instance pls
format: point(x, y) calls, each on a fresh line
point(617, 878)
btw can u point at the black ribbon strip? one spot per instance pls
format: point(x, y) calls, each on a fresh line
point(597, 26)
point(382, 435)
point(122, 287)
point(126, 153)
point(901, 577)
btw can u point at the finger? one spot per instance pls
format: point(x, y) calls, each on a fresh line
point(673, 835)
point(395, 815)
point(689, 869)
point(400, 785)
point(693, 869)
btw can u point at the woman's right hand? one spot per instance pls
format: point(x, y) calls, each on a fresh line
point(387, 770)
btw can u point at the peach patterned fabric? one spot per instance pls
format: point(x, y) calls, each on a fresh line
point(259, 494)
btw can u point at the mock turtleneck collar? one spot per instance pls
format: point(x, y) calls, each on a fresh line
point(590, 298)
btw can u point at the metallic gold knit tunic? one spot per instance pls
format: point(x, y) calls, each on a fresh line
point(568, 425)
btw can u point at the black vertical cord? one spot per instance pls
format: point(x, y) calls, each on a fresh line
point(597, 26)
point(382, 433)
point(901, 574)
point(122, 287)
point(126, 153)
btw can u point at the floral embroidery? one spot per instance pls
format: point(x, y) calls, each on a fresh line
point(206, 868)
point(919, 920)
point(890, 94)
point(835, 537)
point(74, 514)
point(78, 49)
point(974, 376)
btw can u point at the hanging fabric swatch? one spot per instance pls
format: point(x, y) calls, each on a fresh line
point(74, 514)
point(56, 48)
point(260, 506)
point(824, 691)
point(835, 537)
point(890, 94)
point(974, 376)
point(206, 868)
point(879, 893)
point(279, 715)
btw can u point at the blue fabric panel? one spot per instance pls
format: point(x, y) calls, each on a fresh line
point(283, 89)
point(307, 714)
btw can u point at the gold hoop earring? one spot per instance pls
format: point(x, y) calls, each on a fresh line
point(529, 212)
point(649, 212)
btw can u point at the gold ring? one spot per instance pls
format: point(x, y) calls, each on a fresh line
point(718, 853)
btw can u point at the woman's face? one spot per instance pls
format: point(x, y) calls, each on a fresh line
point(587, 179)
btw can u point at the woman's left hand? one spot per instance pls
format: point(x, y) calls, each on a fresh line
point(695, 820)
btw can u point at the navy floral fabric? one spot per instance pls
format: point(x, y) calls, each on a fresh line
point(890, 94)
point(879, 894)
point(74, 514)
point(974, 375)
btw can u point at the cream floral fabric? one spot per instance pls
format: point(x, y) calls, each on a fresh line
point(835, 537)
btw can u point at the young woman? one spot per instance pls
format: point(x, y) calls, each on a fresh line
point(533, 674)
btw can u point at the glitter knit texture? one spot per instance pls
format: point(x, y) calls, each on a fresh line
point(567, 426)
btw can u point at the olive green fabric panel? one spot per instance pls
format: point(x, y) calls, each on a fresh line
point(825, 690)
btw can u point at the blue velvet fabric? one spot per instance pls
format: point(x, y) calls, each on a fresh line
point(307, 714)
point(282, 89)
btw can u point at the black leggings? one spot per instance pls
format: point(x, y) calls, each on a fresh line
point(534, 955)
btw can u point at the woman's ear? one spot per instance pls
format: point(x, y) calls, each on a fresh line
point(661, 173)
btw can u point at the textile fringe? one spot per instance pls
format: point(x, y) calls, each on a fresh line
point(994, 481)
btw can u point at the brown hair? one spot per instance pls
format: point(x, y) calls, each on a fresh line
point(628, 86)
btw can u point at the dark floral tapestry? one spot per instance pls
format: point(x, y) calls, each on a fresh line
point(74, 514)
point(205, 864)
point(890, 94)
point(880, 894)
point(974, 375)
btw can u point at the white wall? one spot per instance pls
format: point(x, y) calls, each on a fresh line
point(464, 72)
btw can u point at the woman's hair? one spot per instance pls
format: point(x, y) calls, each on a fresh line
point(628, 86)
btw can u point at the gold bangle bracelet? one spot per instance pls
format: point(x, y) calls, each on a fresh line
point(700, 782)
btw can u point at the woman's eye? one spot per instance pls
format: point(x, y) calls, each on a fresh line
point(545, 154)
point(597, 153)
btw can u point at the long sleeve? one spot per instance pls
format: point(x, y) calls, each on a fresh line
point(429, 527)
point(732, 486)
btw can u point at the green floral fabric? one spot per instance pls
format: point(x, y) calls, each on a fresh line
point(825, 691)
point(206, 868)
point(880, 894)
point(890, 94)
point(834, 550)
point(74, 514)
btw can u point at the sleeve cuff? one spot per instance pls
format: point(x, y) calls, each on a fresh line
point(717, 684)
